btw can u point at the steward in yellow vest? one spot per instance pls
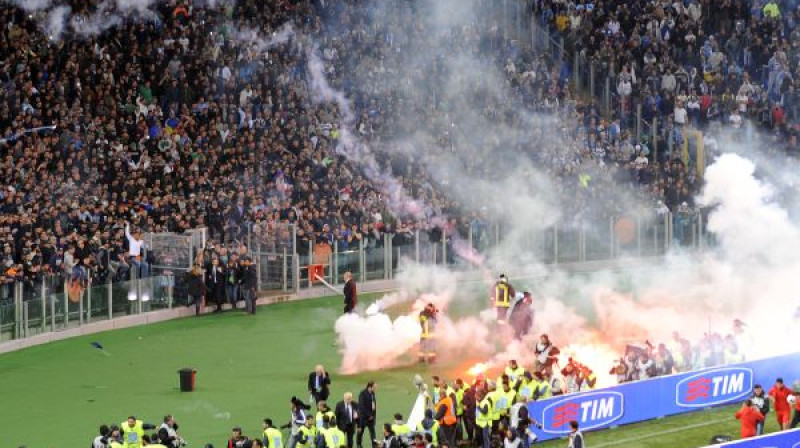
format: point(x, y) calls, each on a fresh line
point(133, 432)
point(272, 436)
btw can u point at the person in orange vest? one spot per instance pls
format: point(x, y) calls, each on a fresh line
point(502, 293)
point(446, 416)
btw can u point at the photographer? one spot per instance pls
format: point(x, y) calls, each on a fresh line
point(390, 439)
point(101, 441)
point(168, 433)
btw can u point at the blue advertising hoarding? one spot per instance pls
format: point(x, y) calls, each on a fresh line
point(786, 439)
point(659, 397)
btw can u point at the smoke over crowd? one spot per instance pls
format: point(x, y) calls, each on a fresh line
point(458, 136)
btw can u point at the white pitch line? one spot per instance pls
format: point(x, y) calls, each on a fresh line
point(661, 433)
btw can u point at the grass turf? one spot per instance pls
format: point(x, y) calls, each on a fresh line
point(56, 395)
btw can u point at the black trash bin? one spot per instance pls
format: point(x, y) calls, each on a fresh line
point(187, 377)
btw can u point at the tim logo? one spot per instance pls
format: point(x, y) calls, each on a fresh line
point(714, 387)
point(591, 410)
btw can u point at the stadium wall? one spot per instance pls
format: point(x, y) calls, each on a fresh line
point(660, 397)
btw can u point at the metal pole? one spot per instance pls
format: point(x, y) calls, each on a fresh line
point(555, 243)
point(257, 261)
point(576, 72)
point(66, 306)
point(388, 253)
point(655, 239)
point(80, 308)
point(362, 260)
point(444, 247)
point(170, 289)
point(416, 245)
point(335, 278)
point(43, 295)
point(296, 280)
point(639, 234)
point(89, 304)
point(295, 257)
point(53, 314)
point(18, 313)
point(654, 133)
point(110, 298)
point(638, 122)
point(285, 272)
point(607, 96)
point(24, 319)
point(591, 81)
point(612, 237)
point(138, 294)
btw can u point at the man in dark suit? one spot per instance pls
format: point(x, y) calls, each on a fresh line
point(350, 293)
point(346, 417)
point(367, 410)
point(318, 382)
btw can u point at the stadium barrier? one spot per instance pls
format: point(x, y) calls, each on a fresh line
point(659, 397)
point(785, 439)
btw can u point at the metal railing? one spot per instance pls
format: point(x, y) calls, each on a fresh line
point(55, 305)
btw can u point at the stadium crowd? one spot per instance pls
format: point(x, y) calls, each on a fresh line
point(181, 122)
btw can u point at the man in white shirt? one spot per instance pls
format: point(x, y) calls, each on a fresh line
point(680, 114)
point(136, 249)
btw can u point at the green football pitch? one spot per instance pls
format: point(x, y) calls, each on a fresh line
point(248, 367)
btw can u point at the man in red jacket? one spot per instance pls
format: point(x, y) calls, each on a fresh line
point(749, 415)
point(779, 395)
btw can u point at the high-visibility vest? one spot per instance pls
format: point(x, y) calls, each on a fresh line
point(115, 444)
point(334, 437)
point(460, 402)
point(132, 435)
point(437, 397)
point(527, 388)
point(501, 296)
point(449, 417)
point(401, 430)
point(503, 402)
point(514, 375)
point(433, 430)
point(544, 390)
point(428, 326)
point(320, 417)
point(305, 437)
point(481, 419)
point(273, 438)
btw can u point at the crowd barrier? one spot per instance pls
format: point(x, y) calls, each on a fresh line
point(660, 397)
point(786, 439)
